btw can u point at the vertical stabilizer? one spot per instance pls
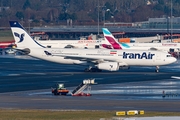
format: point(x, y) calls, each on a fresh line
point(110, 38)
point(22, 38)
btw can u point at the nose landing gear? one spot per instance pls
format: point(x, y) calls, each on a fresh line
point(157, 69)
point(92, 69)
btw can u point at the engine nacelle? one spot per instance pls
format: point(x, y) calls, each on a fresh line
point(123, 66)
point(110, 66)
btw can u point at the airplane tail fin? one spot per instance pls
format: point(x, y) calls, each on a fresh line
point(21, 36)
point(110, 38)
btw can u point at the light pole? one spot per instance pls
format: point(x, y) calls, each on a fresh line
point(98, 17)
point(104, 13)
point(171, 20)
point(168, 21)
point(29, 24)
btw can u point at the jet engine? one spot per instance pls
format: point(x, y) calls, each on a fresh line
point(25, 51)
point(69, 46)
point(110, 66)
point(123, 66)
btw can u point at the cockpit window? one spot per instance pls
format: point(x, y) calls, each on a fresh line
point(168, 55)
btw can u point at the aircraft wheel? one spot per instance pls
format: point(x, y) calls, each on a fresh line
point(156, 71)
point(86, 70)
point(95, 70)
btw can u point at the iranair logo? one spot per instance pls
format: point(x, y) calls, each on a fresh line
point(20, 36)
point(144, 55)
point(111, 66)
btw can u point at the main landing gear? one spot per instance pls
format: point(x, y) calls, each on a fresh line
point(157, 69)
point(91, 69)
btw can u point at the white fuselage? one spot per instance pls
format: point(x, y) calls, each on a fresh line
point(146, 46)
point(124, 57)
point(72, 43)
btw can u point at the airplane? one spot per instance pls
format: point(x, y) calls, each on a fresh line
point(167, 47)
point(172, 48)
point(139, 46)
point(95, 59)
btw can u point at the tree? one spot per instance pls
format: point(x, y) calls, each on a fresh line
point(20, 15)
point(26, 5)
point(64, 16)
point(74, 16)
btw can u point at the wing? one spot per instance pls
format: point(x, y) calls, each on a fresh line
point(96, 60)
point(68, 57)
point(93, 60)
point(88, 59)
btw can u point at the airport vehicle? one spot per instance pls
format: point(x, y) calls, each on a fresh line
point(126, 40)
point(95, 59)
point(78, 91)
point(168, 47)
point(132, 112)
point(60, 90)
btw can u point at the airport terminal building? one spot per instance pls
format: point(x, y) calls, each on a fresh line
point(152, 27)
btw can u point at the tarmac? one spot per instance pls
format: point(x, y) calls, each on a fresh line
point(25, 83)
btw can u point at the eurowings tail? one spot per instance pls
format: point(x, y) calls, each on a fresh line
point(22, 38)
point(110, 38)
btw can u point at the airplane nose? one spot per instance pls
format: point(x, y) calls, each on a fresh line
point(171, 60)
point(174, 59)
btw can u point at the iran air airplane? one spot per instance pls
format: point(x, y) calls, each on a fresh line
point(94, 59)
point(137, 46)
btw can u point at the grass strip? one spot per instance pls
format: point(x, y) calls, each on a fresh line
point(69, 115)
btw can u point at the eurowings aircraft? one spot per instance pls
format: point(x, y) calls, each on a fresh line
point(168, 47)
point(95, 59)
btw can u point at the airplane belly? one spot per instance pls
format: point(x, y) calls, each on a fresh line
point(139, 62)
